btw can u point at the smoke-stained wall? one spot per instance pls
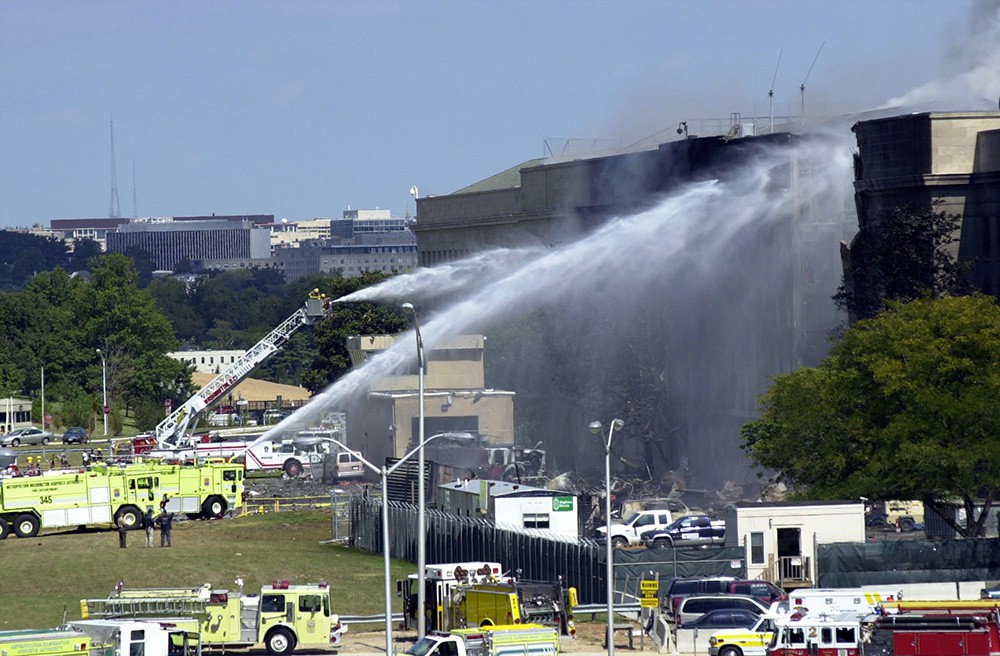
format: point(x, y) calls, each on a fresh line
point(744, 300)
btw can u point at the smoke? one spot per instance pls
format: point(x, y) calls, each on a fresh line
point(685, 289)
point(970, 76)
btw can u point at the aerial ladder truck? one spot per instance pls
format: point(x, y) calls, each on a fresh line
point(170, 434)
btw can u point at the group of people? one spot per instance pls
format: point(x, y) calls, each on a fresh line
point(164, 521)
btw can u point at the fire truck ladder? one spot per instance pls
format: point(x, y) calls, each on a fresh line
point(139, 607)
point(170, 430)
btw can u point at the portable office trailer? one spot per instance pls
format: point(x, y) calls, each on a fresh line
point(511, 505)
point(780, 538)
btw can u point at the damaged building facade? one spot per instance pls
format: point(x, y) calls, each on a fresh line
point(707, 386)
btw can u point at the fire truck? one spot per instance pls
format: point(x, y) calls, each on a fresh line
point(493, 641)
point(52, 642)
point(466, 595)
point(170, 433)
point(281, 617)
point(102, 638)
point(105, 494)
point(817, 635)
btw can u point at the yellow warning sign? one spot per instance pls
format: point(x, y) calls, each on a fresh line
point(649, 591)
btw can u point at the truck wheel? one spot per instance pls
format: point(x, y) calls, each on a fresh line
point(279, 642)
point(906, 524)
point(129, 517)
point(661, 544)
point(213, 507)
point(619, 542)
point(26, 526)
point(730, 651)
point(293, 467)
point(4, 529)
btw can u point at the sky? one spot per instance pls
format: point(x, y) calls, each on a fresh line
point(304, 109)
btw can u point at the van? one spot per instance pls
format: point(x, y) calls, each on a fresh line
point(693, 607)
point(676, 589)
point(765, 592)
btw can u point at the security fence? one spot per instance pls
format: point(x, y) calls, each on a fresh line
point(453, 539)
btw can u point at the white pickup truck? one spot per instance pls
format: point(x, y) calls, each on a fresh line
point(627, 533)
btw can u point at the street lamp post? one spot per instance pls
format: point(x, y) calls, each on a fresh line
point(104, 387)
point(384, 472)
point(596, 428)
point(421, 493)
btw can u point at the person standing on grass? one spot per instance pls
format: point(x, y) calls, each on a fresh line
point(148, 524)
point(122, 535)
point(165, 520)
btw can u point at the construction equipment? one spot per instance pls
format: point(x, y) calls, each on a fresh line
point(104, 494)
point(281, 617)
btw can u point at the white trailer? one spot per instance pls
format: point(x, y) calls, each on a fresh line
point(780, 538)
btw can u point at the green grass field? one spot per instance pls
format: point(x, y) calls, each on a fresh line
point(43, 579)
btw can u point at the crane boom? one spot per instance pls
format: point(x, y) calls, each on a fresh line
point(170, 431)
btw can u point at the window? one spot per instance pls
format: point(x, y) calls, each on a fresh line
point(138, 646)
point(272, 603)
point(229, 475)
point(845, 636)
point(826, 635)
point(757, 548)
point(310, 603)
point(796, 637)
point(536, 520)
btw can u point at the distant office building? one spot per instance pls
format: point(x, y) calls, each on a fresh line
point(387, 253)
point(365, 222)
point(168, 241)
point(208, 362)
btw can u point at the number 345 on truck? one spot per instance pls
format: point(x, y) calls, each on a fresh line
point(109, 494)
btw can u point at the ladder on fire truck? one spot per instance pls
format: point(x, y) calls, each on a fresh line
point(170, 431)
point(143, 607)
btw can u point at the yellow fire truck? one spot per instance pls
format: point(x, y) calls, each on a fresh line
point(53, 642)
point(281, 616)
point(110, 494)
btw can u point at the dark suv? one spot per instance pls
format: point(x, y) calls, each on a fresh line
point(763, 591)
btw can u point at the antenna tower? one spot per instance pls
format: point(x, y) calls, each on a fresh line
point(770, 93)
point(802, 87)
point(135, 201)
point(115, 210)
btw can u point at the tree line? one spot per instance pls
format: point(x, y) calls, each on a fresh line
point(64, 318)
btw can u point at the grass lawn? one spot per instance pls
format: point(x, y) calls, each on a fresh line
point(43, 579)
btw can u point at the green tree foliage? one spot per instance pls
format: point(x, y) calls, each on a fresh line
point(901, 255)
point(903, 407)
point(348, 319)
point(22, 256)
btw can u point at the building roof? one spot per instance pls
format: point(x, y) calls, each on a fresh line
point(253, 389)
point(502, 488)
point(509, 179)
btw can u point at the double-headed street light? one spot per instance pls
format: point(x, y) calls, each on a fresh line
point(596, 428)
point(384, 473)
point(421, 511)
point(104, 386)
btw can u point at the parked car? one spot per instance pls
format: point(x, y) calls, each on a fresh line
point(724, 618)
point(693, 607)
point(690, 531)
point(75, 435)
point(677, 588)
point(30, 435)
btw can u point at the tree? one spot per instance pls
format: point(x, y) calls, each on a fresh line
point(901, 255)
point(903, 407)
point(333, 360)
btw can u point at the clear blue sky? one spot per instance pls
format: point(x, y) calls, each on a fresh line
point(301, 109)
